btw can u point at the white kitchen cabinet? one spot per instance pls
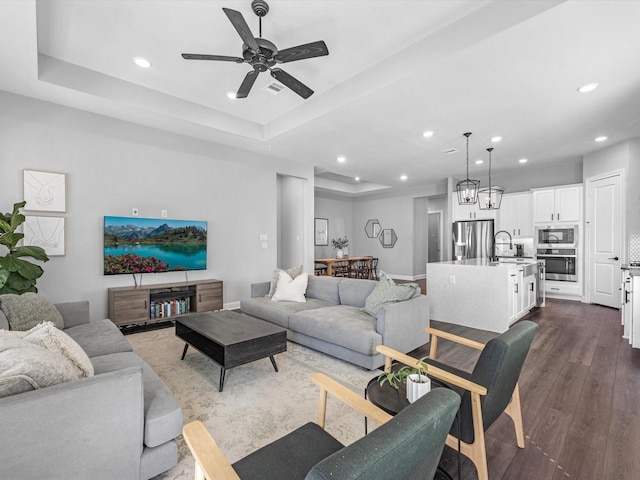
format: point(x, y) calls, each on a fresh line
point(523, 292)
point(471, 212)
point(560, 204)
point(513, 295)
point(516, 215)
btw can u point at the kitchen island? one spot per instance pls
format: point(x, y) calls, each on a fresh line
point(483, 294)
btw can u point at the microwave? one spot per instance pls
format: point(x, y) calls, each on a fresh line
point(561, 236)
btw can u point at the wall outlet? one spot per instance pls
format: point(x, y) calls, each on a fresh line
point(452, 279)
point(134, 212)
point(264, 245)
point(264, 237)
point(163, 213)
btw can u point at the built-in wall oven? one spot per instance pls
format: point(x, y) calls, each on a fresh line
point(560, 263)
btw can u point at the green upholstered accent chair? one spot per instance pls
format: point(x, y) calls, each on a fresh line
point(490, 389)
point(407, 446)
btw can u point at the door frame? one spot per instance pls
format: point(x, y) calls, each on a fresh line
point(586, 263)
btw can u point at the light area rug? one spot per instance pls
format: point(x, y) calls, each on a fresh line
point(258, 404)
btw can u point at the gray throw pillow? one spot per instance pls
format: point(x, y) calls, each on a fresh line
point(25, 366)
point(293, 273)
point(388, 292)
point(28, 310)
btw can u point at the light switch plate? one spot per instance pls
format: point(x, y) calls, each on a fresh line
point(264, 237)
point(164, 213)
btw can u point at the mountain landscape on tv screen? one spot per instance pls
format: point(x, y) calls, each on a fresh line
point(151, 245)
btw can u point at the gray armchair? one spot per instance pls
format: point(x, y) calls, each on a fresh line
point(490, 389)
point(406, 446)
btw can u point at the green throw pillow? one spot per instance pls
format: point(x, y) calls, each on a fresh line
point(28, 310)
point(388, 292)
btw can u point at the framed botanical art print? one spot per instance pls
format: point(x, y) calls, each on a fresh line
point(44, 191)
point(321, 231)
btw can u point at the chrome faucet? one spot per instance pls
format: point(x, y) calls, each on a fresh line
point(495, 257)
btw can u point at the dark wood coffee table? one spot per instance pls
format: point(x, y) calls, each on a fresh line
point(231, 339)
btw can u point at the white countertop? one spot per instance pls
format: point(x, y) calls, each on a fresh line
point(485, 262)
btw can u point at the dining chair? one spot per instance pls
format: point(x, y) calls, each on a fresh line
point(490, 389)
point(407, 446)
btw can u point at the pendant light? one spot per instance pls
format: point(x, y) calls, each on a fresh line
point(467, 189)
point(490, 198)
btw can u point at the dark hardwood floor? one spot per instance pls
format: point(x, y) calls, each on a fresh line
point(580, 393)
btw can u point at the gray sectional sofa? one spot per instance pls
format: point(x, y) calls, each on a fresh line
point(120, 423)
point(332, 319)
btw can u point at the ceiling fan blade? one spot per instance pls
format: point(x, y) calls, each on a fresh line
point(223, 58)
point(295, 85)
point(247, 83)
point(242, 28)
point(308, 50)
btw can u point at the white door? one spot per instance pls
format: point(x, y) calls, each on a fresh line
point(604, 224)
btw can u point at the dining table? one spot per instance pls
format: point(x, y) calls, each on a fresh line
point(350, 260)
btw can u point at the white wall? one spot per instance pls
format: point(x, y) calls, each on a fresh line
point(623, 156)
point(113, 166)
point(291, 232)
point(339, 211)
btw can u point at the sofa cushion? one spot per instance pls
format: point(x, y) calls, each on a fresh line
point(290, 289)
point(49, 337)
point(25, 366)
point(29, 309)
point(162, 413)
point(278, 312)
point(323, 288)
point(99, 337)
point(342, 325)
point(387, 291)
point(354, 292)
point(293, 273)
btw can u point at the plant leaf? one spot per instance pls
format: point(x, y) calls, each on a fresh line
point(31, 251)
point(11, 239)
point(4, 276)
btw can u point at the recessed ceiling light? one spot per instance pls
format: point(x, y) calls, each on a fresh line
point(479, 161)
point(231, 95)
point(141, 62)
point(341, 159)
point(496, 139)
point(523, 160)
point(403, 177)
point(427, 134)
point(589, 87)
point(601, 139)
point(357, 179)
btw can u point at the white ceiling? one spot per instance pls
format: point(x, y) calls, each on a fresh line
point(395, 69)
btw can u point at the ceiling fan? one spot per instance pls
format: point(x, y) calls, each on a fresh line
point(263, 55)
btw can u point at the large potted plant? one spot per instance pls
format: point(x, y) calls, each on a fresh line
point(340, 244)
point(17, 275)
point(418, 384)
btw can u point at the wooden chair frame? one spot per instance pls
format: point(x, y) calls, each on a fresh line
point(475, 451)
point(210, 462)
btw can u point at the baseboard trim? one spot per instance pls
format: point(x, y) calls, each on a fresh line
point(231, 306)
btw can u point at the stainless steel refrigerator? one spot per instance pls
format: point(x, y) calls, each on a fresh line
point(472, 239)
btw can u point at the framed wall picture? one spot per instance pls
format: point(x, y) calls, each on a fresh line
point(321, 231)
point(45, 232)
point(44, 191)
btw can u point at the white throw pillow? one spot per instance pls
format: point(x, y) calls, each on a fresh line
point(293, 272)
point(290, 289)
point(47, 336)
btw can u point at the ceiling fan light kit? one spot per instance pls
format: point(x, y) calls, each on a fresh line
point(467, 189)
point(263, 55)
point(490, 198)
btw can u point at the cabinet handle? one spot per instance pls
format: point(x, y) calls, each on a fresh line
point(518, 231)
point(558, 217)
point(552, 216)
point(517, 289)
point(531, 287)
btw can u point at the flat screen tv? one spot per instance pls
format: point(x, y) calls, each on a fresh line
point(149, 245)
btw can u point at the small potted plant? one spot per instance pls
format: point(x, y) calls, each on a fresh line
point(340, 244)
point(418, 384)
